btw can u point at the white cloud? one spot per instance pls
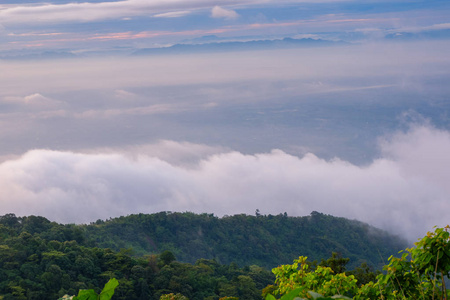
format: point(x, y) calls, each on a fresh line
point(219, 12)
point(173, 14)
point(86, 11)
point(39, 100)
point(406, 191)
point(125, 95)
point(34, 101)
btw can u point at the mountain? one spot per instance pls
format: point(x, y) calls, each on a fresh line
point(263, 240)
point(40, 259)
point(286, 43)
point(430, 34)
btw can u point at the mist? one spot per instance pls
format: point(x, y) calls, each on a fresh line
point(405, 191)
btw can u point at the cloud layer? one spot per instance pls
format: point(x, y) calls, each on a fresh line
point(88, 12)
point(405, 191)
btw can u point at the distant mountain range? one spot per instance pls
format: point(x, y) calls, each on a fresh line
point(286, 43)
point(215, 44)
point(431, 34)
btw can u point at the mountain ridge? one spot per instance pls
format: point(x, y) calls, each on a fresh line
point(264, 240)
point(285, 43)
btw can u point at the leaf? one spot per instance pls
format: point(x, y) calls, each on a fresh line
point(86, 295)
point(108, 290)
point(270, 297)
point(291, 295)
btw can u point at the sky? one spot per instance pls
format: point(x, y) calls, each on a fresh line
point(357, 128)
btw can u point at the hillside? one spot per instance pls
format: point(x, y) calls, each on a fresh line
point(263, 240)
point(40, 259)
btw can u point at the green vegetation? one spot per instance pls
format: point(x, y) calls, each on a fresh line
point(40, 259)
point(419, 273)
point(266, 241)
point(44, 260)
point(105, 294)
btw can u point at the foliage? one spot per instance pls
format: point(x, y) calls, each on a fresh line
point(44, 260)
point(173, 296)
point(105, 294)
point(263, 240)
point(323, 280)
point(419, 273)
point(293, 295)
point(40, 259)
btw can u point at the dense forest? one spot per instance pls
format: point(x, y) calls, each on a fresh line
point(263, 240)
point(199, 256)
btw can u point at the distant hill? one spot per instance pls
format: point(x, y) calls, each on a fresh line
point(286, 43)
point(263, 240)
point(430, 34)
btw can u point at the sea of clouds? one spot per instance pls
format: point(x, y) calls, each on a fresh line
point(404, 191)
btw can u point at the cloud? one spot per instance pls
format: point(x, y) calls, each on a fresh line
point(405, 191)
point(85, 12)
point(39, 100)
point(176, 153)
point(88, 11)
point(417, 29)
point(219, 12)
point(36, 102)
point(173, 14)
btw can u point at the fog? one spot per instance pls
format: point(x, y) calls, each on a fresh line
point(405, 191)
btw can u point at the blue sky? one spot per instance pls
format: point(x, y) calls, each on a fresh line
point(135, 24)
point(359, 129)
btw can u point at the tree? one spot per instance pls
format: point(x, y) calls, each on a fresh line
point(166, 258)
point(173, 296)
point(419, 273)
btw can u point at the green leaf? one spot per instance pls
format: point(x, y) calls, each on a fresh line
point(291, 295)
point(86, 295)
point(270, 297)
point(108, 290)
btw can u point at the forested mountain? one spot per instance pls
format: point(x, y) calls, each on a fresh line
point(263, 240)
point(44, 260)
point(214, 257)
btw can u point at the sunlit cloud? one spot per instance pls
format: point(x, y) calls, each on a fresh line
point(34, 101)
point(222, 13)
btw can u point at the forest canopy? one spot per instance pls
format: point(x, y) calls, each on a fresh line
point(197, 256)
